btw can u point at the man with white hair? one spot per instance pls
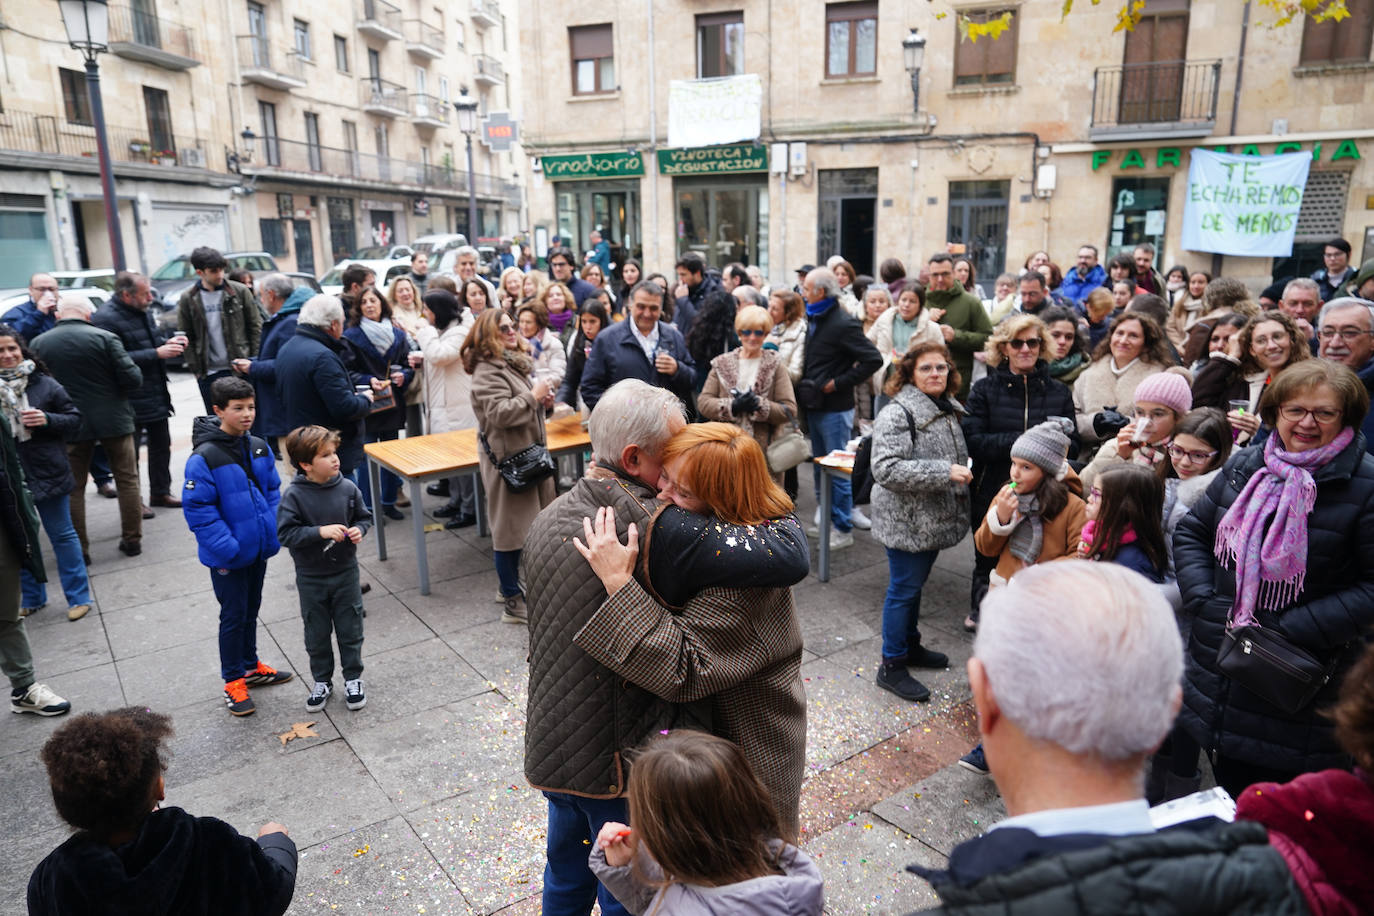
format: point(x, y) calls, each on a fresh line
point(582, 718)
point(746, 295)
point(1346, 331)
point(465, 269)
point(97, 372)
point(313, 380)
point(283, 301)
point(1075, 675)
point(838, 357)
point(1302, 300)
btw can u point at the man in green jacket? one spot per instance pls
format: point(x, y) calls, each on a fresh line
point(221, 321)
point(965, 323)
point(92, 364)
point(19, 550)
point(1067, 730)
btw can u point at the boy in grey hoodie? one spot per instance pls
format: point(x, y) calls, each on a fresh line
point(321, 519)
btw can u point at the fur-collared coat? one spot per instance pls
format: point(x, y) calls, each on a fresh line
point(772, 385)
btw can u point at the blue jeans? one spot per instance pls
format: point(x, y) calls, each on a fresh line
point(391, 484)
point(507, 570)
point(906, 575)
point(829, 431)
point(239, 592)
point(569, 885)
point(55, 511)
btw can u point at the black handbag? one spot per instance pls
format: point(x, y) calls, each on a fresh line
point(525, 469)
point(1272, 668)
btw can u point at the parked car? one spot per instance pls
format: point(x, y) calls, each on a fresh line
point(386, 271)
point(100, 278)
point(9, 298)
point(176, 276)
point(436, 245)
point(382, 253)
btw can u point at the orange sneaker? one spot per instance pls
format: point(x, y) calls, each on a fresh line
point(237, 699)
point(266, 676)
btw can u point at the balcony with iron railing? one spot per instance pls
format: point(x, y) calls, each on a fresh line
point(429, 111)
point(380, 20)
point(275, 68)
point(47, 135)
point(487, 70)
point(486, 13)
point(424, 40)
point(1157, 100)
point(382, 97)
point(145, 36)
point(272, 156)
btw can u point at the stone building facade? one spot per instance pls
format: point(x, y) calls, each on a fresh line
point(1061, 132)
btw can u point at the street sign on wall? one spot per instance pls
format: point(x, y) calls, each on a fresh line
point(592, 165)
point(713, 160)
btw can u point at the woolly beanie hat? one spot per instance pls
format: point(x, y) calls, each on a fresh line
point(1167, 388)
point(1044, 445)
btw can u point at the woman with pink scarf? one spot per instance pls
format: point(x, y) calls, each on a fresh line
point(1283, 539)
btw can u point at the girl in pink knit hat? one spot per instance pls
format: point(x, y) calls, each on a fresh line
point(1161, 400)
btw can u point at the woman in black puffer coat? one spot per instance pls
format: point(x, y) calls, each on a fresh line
point(1016, 394)
point(41, 416)
point(1321, 598)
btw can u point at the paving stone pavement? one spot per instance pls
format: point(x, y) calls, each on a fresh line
point(417, 803)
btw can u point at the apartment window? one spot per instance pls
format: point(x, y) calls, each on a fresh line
point(458, 34)
point(312, 141)
point(350, 130)
point(851, 39)
point(273, 236)
point(341, 54)
point(986, 62)
point(593, 59)
point(301, 31)
point(443, 90)
point(720, 44)
point(374, 69)
point(271, 150)
point(1333, 42)
point(159, 120)
point(74, 97)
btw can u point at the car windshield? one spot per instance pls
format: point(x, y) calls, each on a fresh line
point(375, 253)
point(333, 278)
point(422, 248)
point(178, 269)
point(251, 262)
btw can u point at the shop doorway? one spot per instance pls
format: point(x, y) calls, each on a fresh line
point(978, 221)
point(611, 207)
point(847, 214)
point(1139, 210)
point(723, 220)
point(304, 241)
point(343, 236)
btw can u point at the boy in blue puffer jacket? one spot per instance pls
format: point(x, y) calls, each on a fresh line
point(230, 501)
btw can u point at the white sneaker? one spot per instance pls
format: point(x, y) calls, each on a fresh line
point(39, 700)
point(515, 611)
point(859, 519)
point(841, 539)
point(319, 695)
point(353, 694)
point(817, 521)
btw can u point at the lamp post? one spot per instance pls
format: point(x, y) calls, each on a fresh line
point(88, 31)
point(466, 108)
point(914, 51)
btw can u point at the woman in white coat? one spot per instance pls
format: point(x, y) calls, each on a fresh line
point(448, 395)
point(897, 330)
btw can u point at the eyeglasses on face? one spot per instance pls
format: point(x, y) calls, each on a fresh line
point(935, 369)
point(1018, 344)
point(505, 326)
point(1323, 415)
point(1349, 335)
point(1178, 453)
point(751, 332)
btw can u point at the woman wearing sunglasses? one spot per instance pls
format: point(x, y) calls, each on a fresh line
point(749, 386)
point(1016, 394)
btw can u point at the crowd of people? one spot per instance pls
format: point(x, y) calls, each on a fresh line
point(1149, 465)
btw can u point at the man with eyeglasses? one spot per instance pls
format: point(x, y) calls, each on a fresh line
point(1337, 272)
point(1346, 332)
point(1302, 300)
point(34, 317)
point(562, 267)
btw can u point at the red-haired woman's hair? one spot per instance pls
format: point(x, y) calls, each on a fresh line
point(726, 469)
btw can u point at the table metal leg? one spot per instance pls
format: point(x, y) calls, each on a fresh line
point(480, 504)
point(824, 548)
point(418, 522)
point(378, 519)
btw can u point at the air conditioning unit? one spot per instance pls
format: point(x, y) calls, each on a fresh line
point(192, 157)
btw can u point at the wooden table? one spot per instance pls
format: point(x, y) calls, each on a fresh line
point(823, 548)
point(423, 458)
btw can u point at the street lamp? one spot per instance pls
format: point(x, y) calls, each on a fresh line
point(88, 31)
point(466, 108)
point(914, 51)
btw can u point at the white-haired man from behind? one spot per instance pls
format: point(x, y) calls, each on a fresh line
point(1076, 678)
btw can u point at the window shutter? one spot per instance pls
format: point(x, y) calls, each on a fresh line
point(590, 41)
point(1322, 213)
point(842, 11)
point(1352, 35)
point(1000, 60)
point(720, 18)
